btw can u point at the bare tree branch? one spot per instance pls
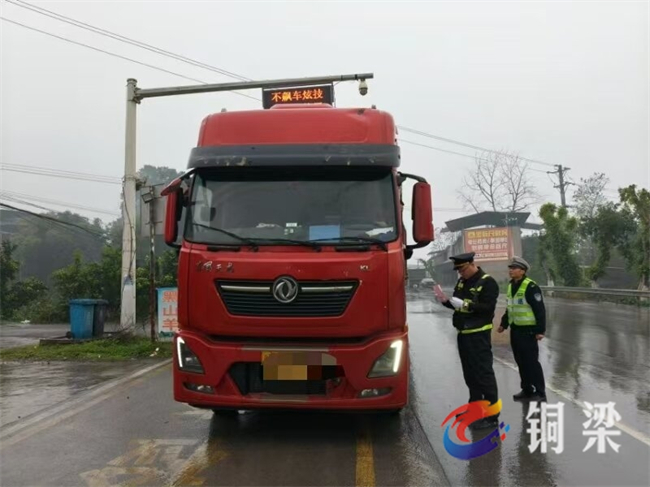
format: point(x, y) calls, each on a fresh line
point(519, 192)
point(500, 181)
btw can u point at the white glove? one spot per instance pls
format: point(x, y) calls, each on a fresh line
point(456, 302)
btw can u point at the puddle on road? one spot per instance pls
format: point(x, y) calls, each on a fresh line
point(27, 388)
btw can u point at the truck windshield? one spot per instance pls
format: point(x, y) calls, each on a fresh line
point(267, 206)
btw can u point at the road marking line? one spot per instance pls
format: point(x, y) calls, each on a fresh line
point(623, 427)
point(208, 454)
point(51, 416)
point(365, 474)
point(145, 462)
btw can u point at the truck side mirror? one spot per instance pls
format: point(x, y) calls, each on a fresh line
point(173, 210)
point(171, 218)
point(422, 214)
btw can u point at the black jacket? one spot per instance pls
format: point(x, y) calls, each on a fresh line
point(535, 299)
point(482, 305)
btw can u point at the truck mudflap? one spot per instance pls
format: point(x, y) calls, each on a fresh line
point(368, 375)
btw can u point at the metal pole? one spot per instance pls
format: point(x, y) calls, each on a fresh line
point(127, 317)
point(247, 85)
point(561, 170)
point(562, 189)
point(152, 268)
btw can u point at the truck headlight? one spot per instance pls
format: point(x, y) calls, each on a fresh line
point(187, 360)
point(388, 364)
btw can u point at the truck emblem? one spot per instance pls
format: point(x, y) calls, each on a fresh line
point(285, 289)
point(204, 266)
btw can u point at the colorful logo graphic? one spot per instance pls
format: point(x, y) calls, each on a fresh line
point(466, 415)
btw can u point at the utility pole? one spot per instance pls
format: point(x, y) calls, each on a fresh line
point(127, 315)
point(135, 95)
point(152, 267)
point(561, 170)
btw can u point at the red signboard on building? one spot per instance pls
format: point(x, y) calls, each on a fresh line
point(489, 243)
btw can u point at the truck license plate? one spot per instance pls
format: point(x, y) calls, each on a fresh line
point(299, 365)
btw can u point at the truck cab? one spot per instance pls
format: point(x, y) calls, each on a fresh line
point(292, 264)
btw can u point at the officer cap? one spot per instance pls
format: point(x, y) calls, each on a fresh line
point(520, 263)
point(461, 260)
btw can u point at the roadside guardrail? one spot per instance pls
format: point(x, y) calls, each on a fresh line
point(630, 293)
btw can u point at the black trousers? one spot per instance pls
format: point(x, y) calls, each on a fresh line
point(475, 350)
point(526, 351)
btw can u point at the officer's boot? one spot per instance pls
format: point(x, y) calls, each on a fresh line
point(522, 395)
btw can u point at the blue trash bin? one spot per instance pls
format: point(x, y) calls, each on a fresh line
point(81, 318)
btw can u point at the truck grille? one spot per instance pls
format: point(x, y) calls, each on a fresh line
point(314, 299)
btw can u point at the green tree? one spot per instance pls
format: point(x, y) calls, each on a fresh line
point(77, 281)
point(608, 228)
point(590, 195)
point(152, 175)
point(636, 204)
point(530, 249)
point(25, 292)
point(558, 244)
point(15, 295)
point(166, 276)
point(9, 267)
point(45, 246)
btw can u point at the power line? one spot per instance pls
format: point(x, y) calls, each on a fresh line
point(62, 171)
point(50, 224)
point(452, 141)
point(204, 82)
point(562, 183)
point(59, 173)
point(119, 56)
point(121, 38)
point(15, 195)
point(16, 200)
point(457, 153)
point(55, 220)
point(193, 62)
point(187, 60)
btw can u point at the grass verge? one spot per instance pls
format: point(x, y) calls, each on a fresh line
point(107, 349)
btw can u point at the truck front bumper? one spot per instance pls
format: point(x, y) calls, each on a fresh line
point(226, 374)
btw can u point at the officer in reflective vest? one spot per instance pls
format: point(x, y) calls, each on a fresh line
point(526, 316)
point(474, 301)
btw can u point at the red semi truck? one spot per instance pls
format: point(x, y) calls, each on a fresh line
point(292, 261)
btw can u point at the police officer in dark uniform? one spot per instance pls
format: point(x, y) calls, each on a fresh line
point(474, 302)
point(526, 316)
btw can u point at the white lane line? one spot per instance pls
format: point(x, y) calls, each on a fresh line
point(56, 414)
point(623, 427)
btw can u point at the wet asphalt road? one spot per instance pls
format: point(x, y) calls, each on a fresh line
point(592, 352)
point(135, 434)
point(20, 335)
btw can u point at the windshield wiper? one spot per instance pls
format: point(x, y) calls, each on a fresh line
point(376, 241)
point(245, 240)
point(306, 243)
point(255, 242)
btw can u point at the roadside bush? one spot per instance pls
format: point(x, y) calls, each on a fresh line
point(42, 310)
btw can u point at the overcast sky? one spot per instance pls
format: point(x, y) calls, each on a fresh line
point(561, 82)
